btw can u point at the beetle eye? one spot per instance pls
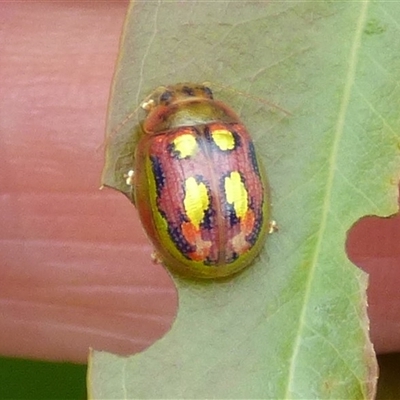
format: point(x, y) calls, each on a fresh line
point(208, 92)
point(165, 97)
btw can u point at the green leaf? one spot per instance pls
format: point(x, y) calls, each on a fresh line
point(294, 324)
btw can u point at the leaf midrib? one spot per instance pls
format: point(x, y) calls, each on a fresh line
point(350, 77)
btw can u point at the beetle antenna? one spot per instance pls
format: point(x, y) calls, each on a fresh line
point(266, 102)
point(127, 118)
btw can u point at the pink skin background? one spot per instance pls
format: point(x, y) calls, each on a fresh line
point(66, 248)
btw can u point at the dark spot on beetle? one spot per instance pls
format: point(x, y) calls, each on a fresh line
point(208, 138)
point(252, 237)
point(200, 178)
point(171, 150)
point(182, 218)
point(179, 240)
point(188, 91)
point(158, 173)
point(234, 256)
point(206, 133)
point(208, 221)
point(253, 158)
point(166, 97)
point(251, 203)
point(236, 138)
point(230, 215)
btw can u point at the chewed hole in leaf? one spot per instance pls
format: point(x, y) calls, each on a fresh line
point(373, 245)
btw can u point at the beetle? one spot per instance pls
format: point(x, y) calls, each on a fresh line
point(198, 185)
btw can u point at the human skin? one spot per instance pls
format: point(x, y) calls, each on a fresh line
point(66, 248)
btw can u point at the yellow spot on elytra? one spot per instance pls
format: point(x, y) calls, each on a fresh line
point(185, 145)
point(196, 201)
point(236, 194)
point(223, 139)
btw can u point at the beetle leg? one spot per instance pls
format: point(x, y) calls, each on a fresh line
point(273, 227)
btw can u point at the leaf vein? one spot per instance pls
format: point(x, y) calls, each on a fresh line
point(339, 130)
